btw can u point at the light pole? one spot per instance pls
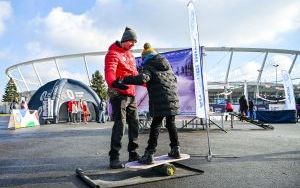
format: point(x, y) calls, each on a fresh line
point(257, 85)
point(276, 66)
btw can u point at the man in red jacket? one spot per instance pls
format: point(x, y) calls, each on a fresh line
point(120, 62)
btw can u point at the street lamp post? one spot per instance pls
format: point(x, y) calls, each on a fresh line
point(257, 86)
point(276, 66)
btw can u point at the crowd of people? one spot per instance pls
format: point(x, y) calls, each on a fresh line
point(16, 105)
point(246, 108)
point(78, 111)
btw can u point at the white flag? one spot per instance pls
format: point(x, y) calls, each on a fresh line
point(200, 82)
point(246, 90)
point(290, 103)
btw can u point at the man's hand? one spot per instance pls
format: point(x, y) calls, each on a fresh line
point(118, 84)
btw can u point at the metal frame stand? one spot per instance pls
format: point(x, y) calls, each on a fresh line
point(210, 155)
point(210, 121)
point(190, 121)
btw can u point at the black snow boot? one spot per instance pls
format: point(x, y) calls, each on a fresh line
point(115, 164)
point(133, 156)
point(175, 152)
point(147, 158)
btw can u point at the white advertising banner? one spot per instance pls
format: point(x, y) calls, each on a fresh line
point(290, 103)
point(246, 90)
point(201, 110)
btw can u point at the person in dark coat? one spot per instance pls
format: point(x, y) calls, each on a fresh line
point(161, 84)
point(243, 107)
point(251, 109)
point(13, 105)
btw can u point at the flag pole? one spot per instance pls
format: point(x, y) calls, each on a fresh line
point(201, 92)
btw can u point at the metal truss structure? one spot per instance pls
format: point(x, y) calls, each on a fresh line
point(225, 67)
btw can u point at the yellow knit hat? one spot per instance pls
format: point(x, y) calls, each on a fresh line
point(148, 50)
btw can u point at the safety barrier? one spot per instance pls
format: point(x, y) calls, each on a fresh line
point(23, 118)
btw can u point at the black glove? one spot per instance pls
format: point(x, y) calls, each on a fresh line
point(118, 84)
point(136, 80)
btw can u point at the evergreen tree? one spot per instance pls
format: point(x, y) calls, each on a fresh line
point(11, 92)
point(98, 85)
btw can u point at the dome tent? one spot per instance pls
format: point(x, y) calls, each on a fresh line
point(52, 98)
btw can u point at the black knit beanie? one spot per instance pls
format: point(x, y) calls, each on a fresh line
point(128, 34)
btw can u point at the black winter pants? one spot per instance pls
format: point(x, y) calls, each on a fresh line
point(154, 132)
point(124, 110)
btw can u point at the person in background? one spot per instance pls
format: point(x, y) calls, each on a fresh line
point(228, 108)
point(161, 84)
point(74, 111)
point(251, 109)
point(102, 111)
point(79, 107)
point(86, 112)
point(23, 105)
point(243, 107)
point(70, 111)
point(120, 62)
point(298, 111)
point(13, 105)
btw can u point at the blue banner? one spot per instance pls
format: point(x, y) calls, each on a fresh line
point(182, 64)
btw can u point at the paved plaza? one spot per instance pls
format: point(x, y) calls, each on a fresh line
point(47, 156)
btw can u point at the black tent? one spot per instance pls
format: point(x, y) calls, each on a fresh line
point(51, 100)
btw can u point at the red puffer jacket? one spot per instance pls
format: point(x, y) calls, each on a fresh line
point(118, 64)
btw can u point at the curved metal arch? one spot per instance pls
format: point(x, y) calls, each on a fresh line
point(209, 49)
point(213, 49)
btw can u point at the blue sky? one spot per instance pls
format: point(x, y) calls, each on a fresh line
point(32, 29)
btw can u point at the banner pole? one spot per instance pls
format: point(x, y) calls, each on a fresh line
point(201, 92)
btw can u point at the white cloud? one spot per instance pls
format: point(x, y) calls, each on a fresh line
point(284, 62)
point(246, 71)
point(268, 25)
point(76, 76)
point(224, 23)
point(249, 23)
point(250, 67)
point(165, 23)
point(69, 32)
point(47, 72)
point(5, 13)
point(3, 53)
point(36, 50)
